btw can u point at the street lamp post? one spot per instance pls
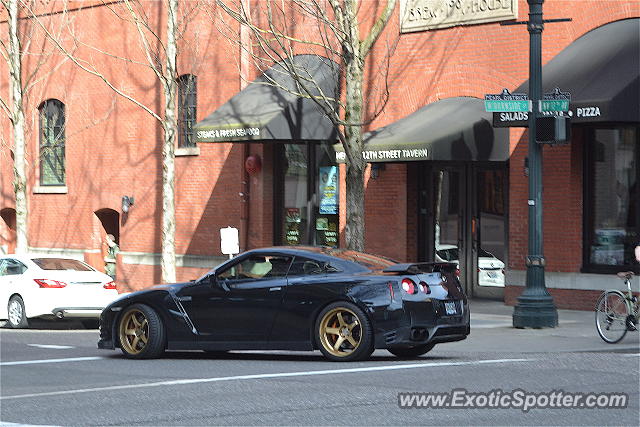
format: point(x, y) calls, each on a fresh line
point(535, 308)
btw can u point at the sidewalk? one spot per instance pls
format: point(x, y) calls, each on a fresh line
point(492, 330)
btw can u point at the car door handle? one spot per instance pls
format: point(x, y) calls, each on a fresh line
point(276, 288)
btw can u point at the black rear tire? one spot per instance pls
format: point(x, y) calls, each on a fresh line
point(416, 351)
point(16, 313)
point(141, 333)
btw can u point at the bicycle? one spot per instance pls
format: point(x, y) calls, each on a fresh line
point(617, 312)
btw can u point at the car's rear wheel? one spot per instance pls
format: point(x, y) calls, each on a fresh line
point(141, 332)
point(416, 351)
point(344, 333)
point(17, 315)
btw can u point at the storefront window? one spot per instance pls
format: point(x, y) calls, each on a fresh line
point(611, 197)
point(296, 195)
point(307, 181)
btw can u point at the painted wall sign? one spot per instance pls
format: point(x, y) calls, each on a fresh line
point(422, 15)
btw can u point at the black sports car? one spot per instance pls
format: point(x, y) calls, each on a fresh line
point(343, 302)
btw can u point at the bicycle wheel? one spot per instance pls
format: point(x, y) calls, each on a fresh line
point(611, 315)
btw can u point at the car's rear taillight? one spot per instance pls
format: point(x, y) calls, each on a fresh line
point(425, 288)
point(409, 287)
point(457, 272)
point(110, 285)
point(48, 283)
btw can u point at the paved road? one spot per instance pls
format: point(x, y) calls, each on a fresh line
point(58, 377)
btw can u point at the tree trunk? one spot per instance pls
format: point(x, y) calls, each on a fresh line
point(354, 74)
point(18, 122)
point(168, 261)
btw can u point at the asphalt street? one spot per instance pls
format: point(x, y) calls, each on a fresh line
point(59, 377)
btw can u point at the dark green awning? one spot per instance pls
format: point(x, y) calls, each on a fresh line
point(450, 129)
point(601, 71)
point(263, 111)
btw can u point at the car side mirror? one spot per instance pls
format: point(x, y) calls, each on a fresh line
point(216, 282)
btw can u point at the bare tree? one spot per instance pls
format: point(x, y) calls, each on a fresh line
point(161, 58)
point(14, 50)
point(12, 53)
point(281, 29)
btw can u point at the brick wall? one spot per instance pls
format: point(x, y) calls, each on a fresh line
point(113, 146)
point(562, 298)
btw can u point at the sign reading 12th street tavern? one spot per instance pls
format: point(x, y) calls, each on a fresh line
point(422, 15)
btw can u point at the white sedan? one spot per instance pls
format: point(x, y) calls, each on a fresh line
point(51, 287)
point(490, 268)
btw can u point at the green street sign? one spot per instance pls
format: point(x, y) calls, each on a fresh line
point(554, 105)
point(507, 106)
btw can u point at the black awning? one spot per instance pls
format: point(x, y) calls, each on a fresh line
point(449, 129)
point(601, 71)
point(268, 110)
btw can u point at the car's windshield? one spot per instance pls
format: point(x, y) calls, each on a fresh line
point(484, 254)
point(448, 254)
point(451, 254)
point(61, 264)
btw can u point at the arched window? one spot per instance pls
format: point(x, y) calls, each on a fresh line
point(187, 103)
point(52, 139)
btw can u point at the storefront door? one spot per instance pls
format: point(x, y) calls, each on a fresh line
point(462, 215)
point(306, 189)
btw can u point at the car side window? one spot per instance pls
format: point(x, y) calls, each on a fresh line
point(305, 267)
point(257, 267)
point(11, 267)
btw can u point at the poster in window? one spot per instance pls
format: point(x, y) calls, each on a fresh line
point(328, 190)
point(327, 231)
point(292, 226)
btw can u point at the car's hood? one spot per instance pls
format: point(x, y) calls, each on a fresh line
point(171, 288)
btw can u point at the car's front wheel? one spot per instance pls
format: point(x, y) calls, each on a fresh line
point(416, 351)
point(344, 333)
point(141, 332)
point(17, 315)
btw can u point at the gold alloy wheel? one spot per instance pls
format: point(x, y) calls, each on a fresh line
point(134, 331)
point(340, 332)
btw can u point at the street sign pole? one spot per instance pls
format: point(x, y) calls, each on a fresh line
point(535, 307)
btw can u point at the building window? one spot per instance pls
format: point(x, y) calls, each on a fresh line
point(187, 103)
point(611, 198)
point(52, 140)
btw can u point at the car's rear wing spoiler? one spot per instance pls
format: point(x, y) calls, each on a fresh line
point(421, 267)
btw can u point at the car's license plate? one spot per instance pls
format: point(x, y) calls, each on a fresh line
point(492, 274)
point(450, 308)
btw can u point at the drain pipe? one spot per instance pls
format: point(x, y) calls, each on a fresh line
point(245, 63)
point(244, 199)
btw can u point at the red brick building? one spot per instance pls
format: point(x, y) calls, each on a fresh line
point(443, 182)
